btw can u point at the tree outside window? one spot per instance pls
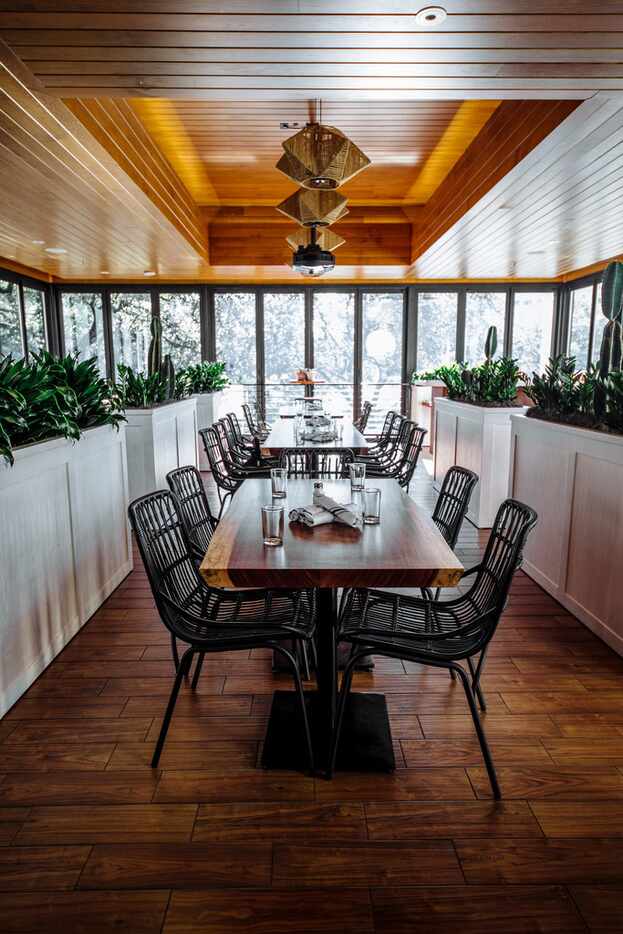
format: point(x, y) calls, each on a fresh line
point(83, 326)
point(10, 331)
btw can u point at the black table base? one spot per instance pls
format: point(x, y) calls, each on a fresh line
point(365, 744)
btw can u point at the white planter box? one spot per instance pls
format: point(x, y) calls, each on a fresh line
point(159, 440)
point(573, 478)
point(65, 546)
point(423, 392)
point(479, 439)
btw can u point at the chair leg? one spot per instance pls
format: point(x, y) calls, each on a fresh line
point(475, 685)
point(305, 661)
point(182, 671)
point(347, 679)
point(174, 652)
point(482, 739)
point(198, 668)
point(298, 685)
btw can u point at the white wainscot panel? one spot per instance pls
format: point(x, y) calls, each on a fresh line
point(64, 548)
point(573, 478)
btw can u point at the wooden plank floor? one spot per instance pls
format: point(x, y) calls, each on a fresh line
point(92, 840)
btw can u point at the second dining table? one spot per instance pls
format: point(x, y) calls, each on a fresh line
point(404, 550)
point(281, 438)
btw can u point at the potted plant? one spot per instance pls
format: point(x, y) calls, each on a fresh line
point(473, 427)
point(426, 387)
point(63, 486)
point(567, 463)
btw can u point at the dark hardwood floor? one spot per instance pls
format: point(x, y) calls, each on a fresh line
point(92, 840)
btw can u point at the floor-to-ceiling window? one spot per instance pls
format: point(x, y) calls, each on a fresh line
point(382, 339)
point(10, 325)
point(83, 325)
point(284, 347)
point(580, 316)
point(181, 327)
point(533, 320)
point(131, 320)
point(235, 342)
point(482, 311)
point(436, 329)
point(34, 319)
point(334, 348)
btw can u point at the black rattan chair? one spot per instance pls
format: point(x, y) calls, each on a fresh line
point(440, 633)
point(404, 460)
point(194, 508)
point(384, 451)
point(362, 422)
point(226, 482)
point(210, 620)
point(320, 464)
point(257, 426)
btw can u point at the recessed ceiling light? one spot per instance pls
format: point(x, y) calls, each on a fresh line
point(104, 272)
point(55, 250)
point(38, 242)
point(149, 272)
point(430, 16)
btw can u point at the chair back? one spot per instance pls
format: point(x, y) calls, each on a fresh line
point(229, 435)
point(319, 464)
point(235, 424)
point(453, 502)
point(218, 464)
point(362, 421)
point(411, 447)
point(503, 556)
point(256, 427)
point(194, 509)
point(164, 548)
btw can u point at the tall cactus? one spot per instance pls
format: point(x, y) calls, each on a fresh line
point(491, 343)
point(154, 360)
point(612, 307)
point(167, 376)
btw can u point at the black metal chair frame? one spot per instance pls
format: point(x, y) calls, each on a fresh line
point(206, 619)
point(384, 453)
point(226, 483)
point(259, 430)
point(362, 422)
point(440, 634)
point(405, 458)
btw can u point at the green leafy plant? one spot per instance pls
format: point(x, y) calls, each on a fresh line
point(491, 343)
point(52, 397)
point(208, 376)
point(493, 383)
point(588, 399)
point(438, 373)
point(140, 390)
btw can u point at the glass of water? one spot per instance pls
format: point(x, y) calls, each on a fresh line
point(279, 481)
point(272, 525)
point(338, 427)
point(372, 507)
point(357, 473)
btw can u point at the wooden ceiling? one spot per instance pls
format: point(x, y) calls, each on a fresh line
point(144, 135)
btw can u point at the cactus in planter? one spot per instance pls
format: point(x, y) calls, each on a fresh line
point(167, 378)
point(154, 360)
point(491, 343)
point(612, 307)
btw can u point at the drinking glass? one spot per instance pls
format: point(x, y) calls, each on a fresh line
point(299, 423)
point(279, 480)
point(371, 507)
point(338, 427)
point(357, 473)
point(272, 525)
point(299, 405)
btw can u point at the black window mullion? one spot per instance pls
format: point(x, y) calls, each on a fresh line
point(591, 327)
point(460, 325)
point(358, 353)
point(509, 322)
point(260, 368)
point(109, 349)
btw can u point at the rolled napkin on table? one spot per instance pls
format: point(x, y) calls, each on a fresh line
point(325, 510)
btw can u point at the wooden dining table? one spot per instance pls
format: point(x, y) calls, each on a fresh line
point(404, 550)
point(281, 438)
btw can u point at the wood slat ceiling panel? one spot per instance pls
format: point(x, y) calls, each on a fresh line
point(556, 211)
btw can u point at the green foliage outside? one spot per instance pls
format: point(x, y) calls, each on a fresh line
point(52, 397)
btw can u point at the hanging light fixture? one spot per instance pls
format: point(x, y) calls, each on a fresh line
point(326, 239)
point(311, 260)
point(321, 157)
point(314, 208)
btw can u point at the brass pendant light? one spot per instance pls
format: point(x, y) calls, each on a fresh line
point(321, 157)
point(314, 208)
point(326, 239)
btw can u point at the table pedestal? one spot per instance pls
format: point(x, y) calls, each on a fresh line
point(365, 744)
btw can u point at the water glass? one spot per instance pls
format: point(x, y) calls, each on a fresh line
point(371, 507)
point(357, 473)
point(338, 427)
point(279, 480)
point(299, 405)
point(299, 424)
point(272, 525)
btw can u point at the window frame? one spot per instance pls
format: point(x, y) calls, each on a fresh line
point(49, 310)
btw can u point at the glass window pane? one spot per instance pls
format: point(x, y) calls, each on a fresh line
point(34, 312)
point(83, 325)
point(181, 327)
point(10, 331)
point(436, 329)
point(598, 327)
point(234, 314)
point(482, 310)
point(284, 347)
point(334, 348)
point(580, 304)
point(131, 320)
point(533, 317)
point(382, 339)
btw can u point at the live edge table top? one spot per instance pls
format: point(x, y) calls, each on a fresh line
point(405, 550)
point(281, 438)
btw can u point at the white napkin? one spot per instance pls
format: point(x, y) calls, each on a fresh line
point(325, 510)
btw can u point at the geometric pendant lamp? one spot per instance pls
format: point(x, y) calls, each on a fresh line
point(314, 208)
point(326, 239)
point(321, 158)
